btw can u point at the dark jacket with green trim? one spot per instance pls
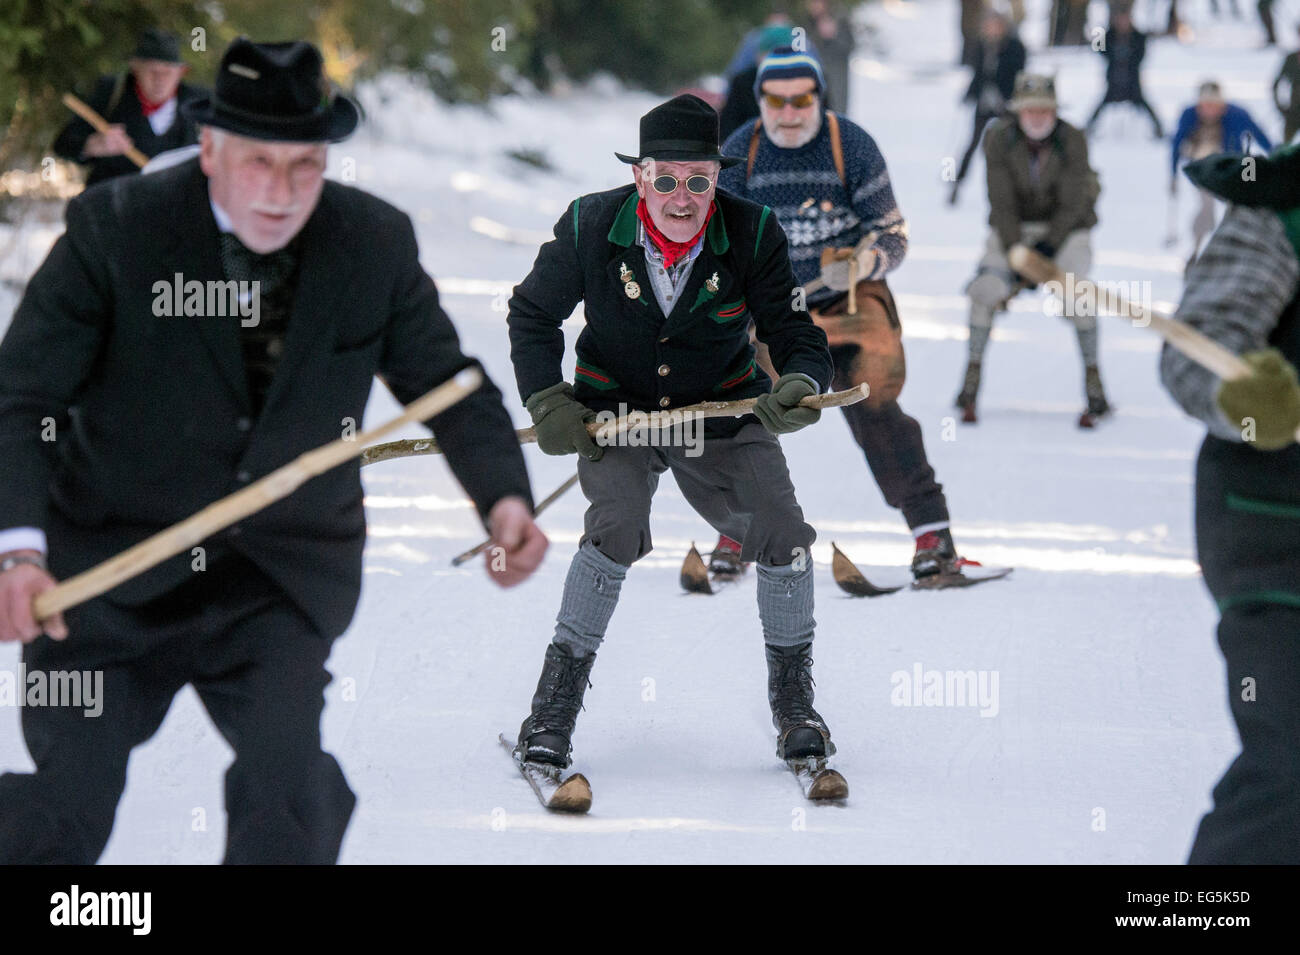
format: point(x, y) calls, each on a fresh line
point(1243, 291)
point(630, 353)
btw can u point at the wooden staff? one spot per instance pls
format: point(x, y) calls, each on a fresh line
point(546, 502)
point(1205, 351)
point(655, 420)
point(101, 126)
point(280, 483)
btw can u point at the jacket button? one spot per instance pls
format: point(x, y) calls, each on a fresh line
point(663, 370)
point(664, 401)
point(243, 477)
point(244, 424)
point(235, 531)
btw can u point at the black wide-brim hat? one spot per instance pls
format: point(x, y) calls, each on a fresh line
point(684, 129)
point(275, 91)
point(158, 44)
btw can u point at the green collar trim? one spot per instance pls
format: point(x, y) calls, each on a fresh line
point(1283, 597)
point(717, 232)
point(623, 231)
point(1291, 223)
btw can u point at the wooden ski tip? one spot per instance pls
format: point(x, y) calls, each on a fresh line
point(829, 784)
point(574, 795)
point(850, 579)
point(695, 576)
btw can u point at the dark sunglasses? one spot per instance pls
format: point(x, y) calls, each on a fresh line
point(802, 101)
point(666, 185)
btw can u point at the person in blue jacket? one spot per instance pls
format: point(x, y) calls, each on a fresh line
point(1212, 125)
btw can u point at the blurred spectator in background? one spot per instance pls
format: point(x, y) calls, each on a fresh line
point(831, 29)
point(1043, 195)
point(999, 57)
point(1212, 125)
point(972, 15)
point(1265, 9)
point(1290, 74)
point(1174, 26)
point(748, 53)
point(1067, 22)
point(741, 106)
point(142, 107)
point(1124, 48)
point(1236, 10)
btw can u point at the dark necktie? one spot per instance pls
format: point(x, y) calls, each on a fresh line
point(263, 343)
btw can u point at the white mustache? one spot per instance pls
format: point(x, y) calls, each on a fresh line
point(274, 211)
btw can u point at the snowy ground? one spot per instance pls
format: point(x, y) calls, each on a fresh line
point(1110, 725)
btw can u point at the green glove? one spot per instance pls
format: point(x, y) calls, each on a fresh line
point(1270, 395)
point(561, 422)
point(779, 410)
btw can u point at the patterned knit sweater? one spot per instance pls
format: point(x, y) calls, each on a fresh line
point(813, 206)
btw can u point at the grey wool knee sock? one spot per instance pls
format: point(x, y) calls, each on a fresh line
point(590, 596)
point(1088, 344)
point(979, 337)
point(785, 604)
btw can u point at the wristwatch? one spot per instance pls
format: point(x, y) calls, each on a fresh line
point(9, 563)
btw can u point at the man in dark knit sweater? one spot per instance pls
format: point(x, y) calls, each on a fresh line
point(827, 199)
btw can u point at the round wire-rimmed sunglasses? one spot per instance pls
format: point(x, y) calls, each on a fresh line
point(666, 184)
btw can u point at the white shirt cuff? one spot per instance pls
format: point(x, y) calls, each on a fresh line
point(22, 538)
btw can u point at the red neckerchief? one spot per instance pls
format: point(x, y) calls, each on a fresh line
point(672, 251)
point(149, 108)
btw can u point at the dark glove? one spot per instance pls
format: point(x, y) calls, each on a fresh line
point(1045, 249)
point(780, 412)
point(561, 422)
point(1269, 395)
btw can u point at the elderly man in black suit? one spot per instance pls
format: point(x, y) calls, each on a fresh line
point(120, 414)
point(671, 271)
point(145, 108)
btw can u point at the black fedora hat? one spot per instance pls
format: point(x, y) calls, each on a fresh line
point(684, 129)
point(157, 44)
point(275, 91)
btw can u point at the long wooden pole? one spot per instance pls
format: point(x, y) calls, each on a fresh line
point(101, 125)
point(542, 505)
point(280, 483)
point(1201, 349)
point(606, 430)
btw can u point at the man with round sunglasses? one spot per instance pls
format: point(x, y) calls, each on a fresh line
point(826, 181)
point(671, 271)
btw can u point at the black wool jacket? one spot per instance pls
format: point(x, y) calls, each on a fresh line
point(117, 421)
point(630, 352)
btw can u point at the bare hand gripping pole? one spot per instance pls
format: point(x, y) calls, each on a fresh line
point(280, 483)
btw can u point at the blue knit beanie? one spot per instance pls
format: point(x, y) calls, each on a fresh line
point(784, 63)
